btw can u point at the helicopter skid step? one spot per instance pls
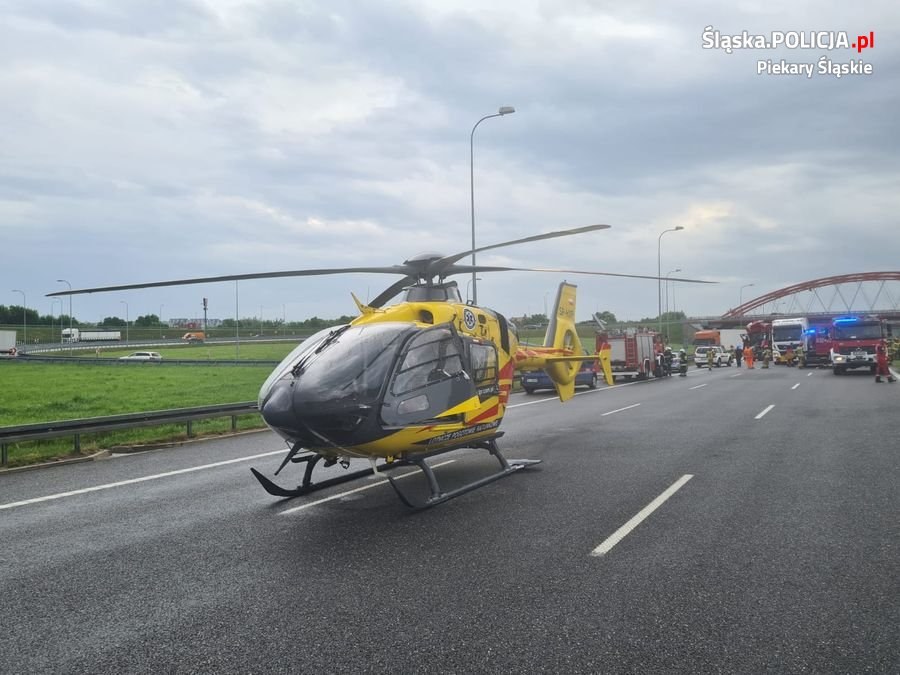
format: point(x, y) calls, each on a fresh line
point(308, 486)
point(507, 467)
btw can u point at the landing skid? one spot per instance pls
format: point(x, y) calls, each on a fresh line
point(308, 485)
point(437, 495)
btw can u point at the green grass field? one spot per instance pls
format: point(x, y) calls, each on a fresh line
point(35, 393)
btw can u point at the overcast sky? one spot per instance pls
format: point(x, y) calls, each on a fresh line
point(145, 140)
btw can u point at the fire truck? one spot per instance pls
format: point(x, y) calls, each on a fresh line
point(853, 342)
point(817, 342)
point(633, 352)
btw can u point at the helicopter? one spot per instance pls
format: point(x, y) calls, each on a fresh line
point(403, 383)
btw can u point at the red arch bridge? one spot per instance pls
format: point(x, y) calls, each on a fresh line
point(875, 293)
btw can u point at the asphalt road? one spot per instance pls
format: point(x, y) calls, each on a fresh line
point(776, 549)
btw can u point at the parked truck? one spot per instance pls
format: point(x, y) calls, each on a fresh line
point(727, 337)
point(7, 343)
point(632, 352)
point(854, 340)
point(817, 343)
point(787, 337)
point(79, 335)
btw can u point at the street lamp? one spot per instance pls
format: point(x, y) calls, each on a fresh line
point(159, 319)
point(741, 294)
point(469, 285)
point(63, 281)
point(126, 320)
point(53, 302)
point(668, 316)
point(659, 274)
point(504, 110)
point(24, 317)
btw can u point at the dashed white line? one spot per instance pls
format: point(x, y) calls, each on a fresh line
point(623, 531)
point(763, 413)
point(627, 407)
point(698, 386)
point(795, 386)
point(131, 481)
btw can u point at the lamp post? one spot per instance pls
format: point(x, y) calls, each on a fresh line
point(469, 285)
point(159, 319)
point(63, 281)
point(126, 320)
point(24, 317)
point(504, 110)
point(659, 274)
point(53, 302)
point(668, 316)
point(741, 294)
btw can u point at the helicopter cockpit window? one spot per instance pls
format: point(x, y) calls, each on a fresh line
point(484, 364)
point(430, 378)
point(432, 356)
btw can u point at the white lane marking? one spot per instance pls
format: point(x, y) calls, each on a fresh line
point(795, 386)
point(763, 413)
point(735, 375)
point(699, 385)
point(809, 374)
point(294, 509)
point(578, 393)
point(623, 531)
point(131, 481)
point(627, 407)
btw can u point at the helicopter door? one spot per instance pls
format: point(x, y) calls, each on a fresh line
point(483, 360)
point(430, 379)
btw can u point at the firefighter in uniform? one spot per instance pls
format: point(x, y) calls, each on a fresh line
point(767, 356)
point(682, 363)
point(881, 364)
point(710, 357)
point(801, 357)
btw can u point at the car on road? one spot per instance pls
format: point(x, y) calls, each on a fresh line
point(538, 379)
point(723, 356)
point(141, 356)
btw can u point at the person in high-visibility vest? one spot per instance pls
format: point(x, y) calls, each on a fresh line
point(767, 356)
point(881, 364)
point(748, 356)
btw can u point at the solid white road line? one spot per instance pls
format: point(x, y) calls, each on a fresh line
point(623, 531)
point(763, 413)
point(294, 509)
point(627, 407)
point(795, 386)
point(131, 481)
point(698, 386)
point(578, 393)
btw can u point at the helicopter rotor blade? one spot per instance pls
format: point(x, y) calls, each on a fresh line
point(394, 269)
point(438, 266)
point(391, 291)
point(468, 269)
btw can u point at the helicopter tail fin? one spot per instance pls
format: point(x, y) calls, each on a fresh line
point(563, 343)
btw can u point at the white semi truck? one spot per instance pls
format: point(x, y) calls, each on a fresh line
point(78, 335)
point(7, 342)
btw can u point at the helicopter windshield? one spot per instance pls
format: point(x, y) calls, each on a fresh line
point(342, 363)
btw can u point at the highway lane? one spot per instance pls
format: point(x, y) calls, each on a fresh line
point(780, 553)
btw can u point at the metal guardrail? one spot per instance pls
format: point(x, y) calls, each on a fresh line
point(74, 428)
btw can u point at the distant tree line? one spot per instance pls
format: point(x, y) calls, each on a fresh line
point(13, 315)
